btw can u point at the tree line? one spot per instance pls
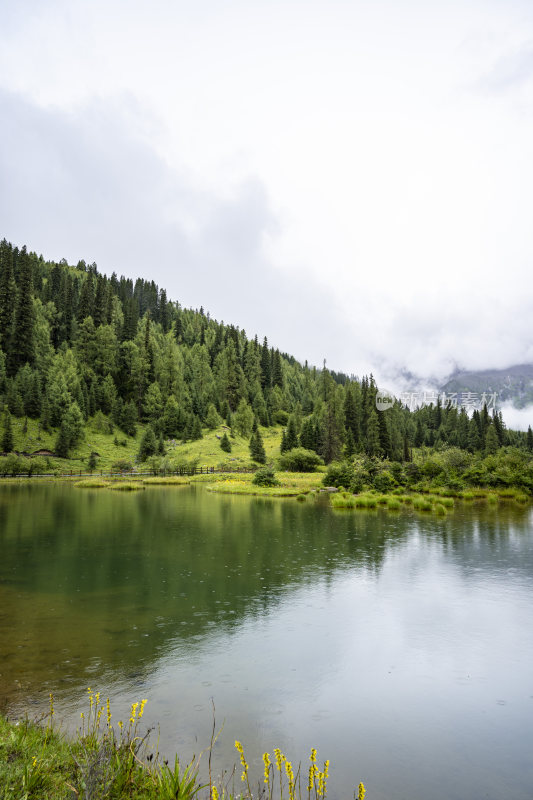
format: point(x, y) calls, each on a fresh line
point(75, 343)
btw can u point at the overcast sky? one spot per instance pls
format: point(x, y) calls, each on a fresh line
point(352, 179)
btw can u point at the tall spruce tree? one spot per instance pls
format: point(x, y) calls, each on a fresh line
point(7, 443)
point(257, 448)
point(7, 293)
point(22, 349)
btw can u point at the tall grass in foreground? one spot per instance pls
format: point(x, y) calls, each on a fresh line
point(108, 761)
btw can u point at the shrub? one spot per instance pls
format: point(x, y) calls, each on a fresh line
point(122, 465)
point(384, 481)
point(281, 417)
point(265, 477)
point(300, 460)
point(339, 473)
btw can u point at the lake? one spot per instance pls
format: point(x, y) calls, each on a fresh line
point(400, 646)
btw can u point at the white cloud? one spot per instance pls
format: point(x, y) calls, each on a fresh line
point(353, 179)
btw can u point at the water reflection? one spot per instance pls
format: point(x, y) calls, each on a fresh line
point(376, 637)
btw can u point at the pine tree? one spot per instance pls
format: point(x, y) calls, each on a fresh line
point(164, 318)
point(257, 448)
point(86, 301)
point(212, 419)
point(100, 301)
point(225, 443)
point(196, 429)
point(22, 344)
point(349, 447)
point(474, 436)
point(372, 434)
point(62, 442)
point(265, 365)
point(128, 418)
point(491, 440)
point(291, 434)
point(148, 445)
point(7, 437)
point(529, 439)
point(384, 435)
point(7, 293)
point(277, 371)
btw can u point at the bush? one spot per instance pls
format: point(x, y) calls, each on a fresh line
point(265, 477)
point(122, 465)
point(384, 481)
point(339, 473)
point(281, 417)
point(300, 460)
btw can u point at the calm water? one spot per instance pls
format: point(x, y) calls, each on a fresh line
point(400, 646)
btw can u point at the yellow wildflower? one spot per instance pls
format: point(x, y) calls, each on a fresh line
point(133, 712)
point(266, 760)
point(362, 792)
point(214, 793)
point(141, 710)
point(239, 747)
point(108, 705)
point(290, 775)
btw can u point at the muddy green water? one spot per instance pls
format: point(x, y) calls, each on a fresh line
point(400, 646)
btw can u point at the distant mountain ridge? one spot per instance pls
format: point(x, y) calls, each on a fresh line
point(512, 384)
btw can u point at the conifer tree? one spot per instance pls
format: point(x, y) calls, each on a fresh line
point(128, 418)
point(164, 318)
point(7, 293)
point(225, 443)
point(529, 439)
point(291, 434)
point(100, 301)
point(196, 428)
point(277, 372)
point(86, 301)
point(372, 434)
point(212, 419)
point(491, 440)
point(22, 345)
point(265, 365)
point(7, 436)
point(474, 436)
point(349, 447)
point(384, 435)
point(148, 445)
point(257, 448)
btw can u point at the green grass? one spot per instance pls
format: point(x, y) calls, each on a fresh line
point(206, 451)
point(169, 480)
point(112, 760)
point(91, 484)
point(127, 486)
point(292, 484)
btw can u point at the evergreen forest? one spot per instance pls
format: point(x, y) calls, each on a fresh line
point(78, 346)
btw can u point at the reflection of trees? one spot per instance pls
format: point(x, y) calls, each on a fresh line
point(115, 580)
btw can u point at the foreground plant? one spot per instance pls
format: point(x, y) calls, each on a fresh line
point(108, 762)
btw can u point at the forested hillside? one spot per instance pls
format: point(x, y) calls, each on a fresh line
point(76, 343)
